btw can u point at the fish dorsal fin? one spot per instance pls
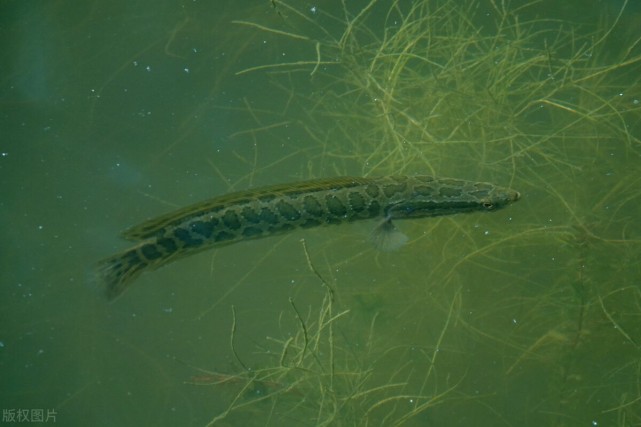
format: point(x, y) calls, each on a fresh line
point(157, 225)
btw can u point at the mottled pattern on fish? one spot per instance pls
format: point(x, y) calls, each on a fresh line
point(273, 210)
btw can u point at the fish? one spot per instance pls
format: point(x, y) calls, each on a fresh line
point(277, 209)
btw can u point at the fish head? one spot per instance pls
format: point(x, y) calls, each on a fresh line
point(451, 196)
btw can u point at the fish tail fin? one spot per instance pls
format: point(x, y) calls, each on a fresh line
point(117, 272)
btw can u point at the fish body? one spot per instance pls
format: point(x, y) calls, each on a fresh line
point(277, 209)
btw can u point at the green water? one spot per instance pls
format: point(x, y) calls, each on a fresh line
point(114, 112)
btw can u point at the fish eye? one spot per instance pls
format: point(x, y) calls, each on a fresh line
point(487, 204)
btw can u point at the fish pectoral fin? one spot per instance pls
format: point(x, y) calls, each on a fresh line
point(386, 237)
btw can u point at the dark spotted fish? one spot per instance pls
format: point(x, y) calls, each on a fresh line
point(277, 209)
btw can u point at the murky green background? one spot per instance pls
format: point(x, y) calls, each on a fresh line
point(114, 112)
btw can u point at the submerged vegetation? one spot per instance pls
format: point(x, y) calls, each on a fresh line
point(414, 86)
point(328, 372)
point(533, 321)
